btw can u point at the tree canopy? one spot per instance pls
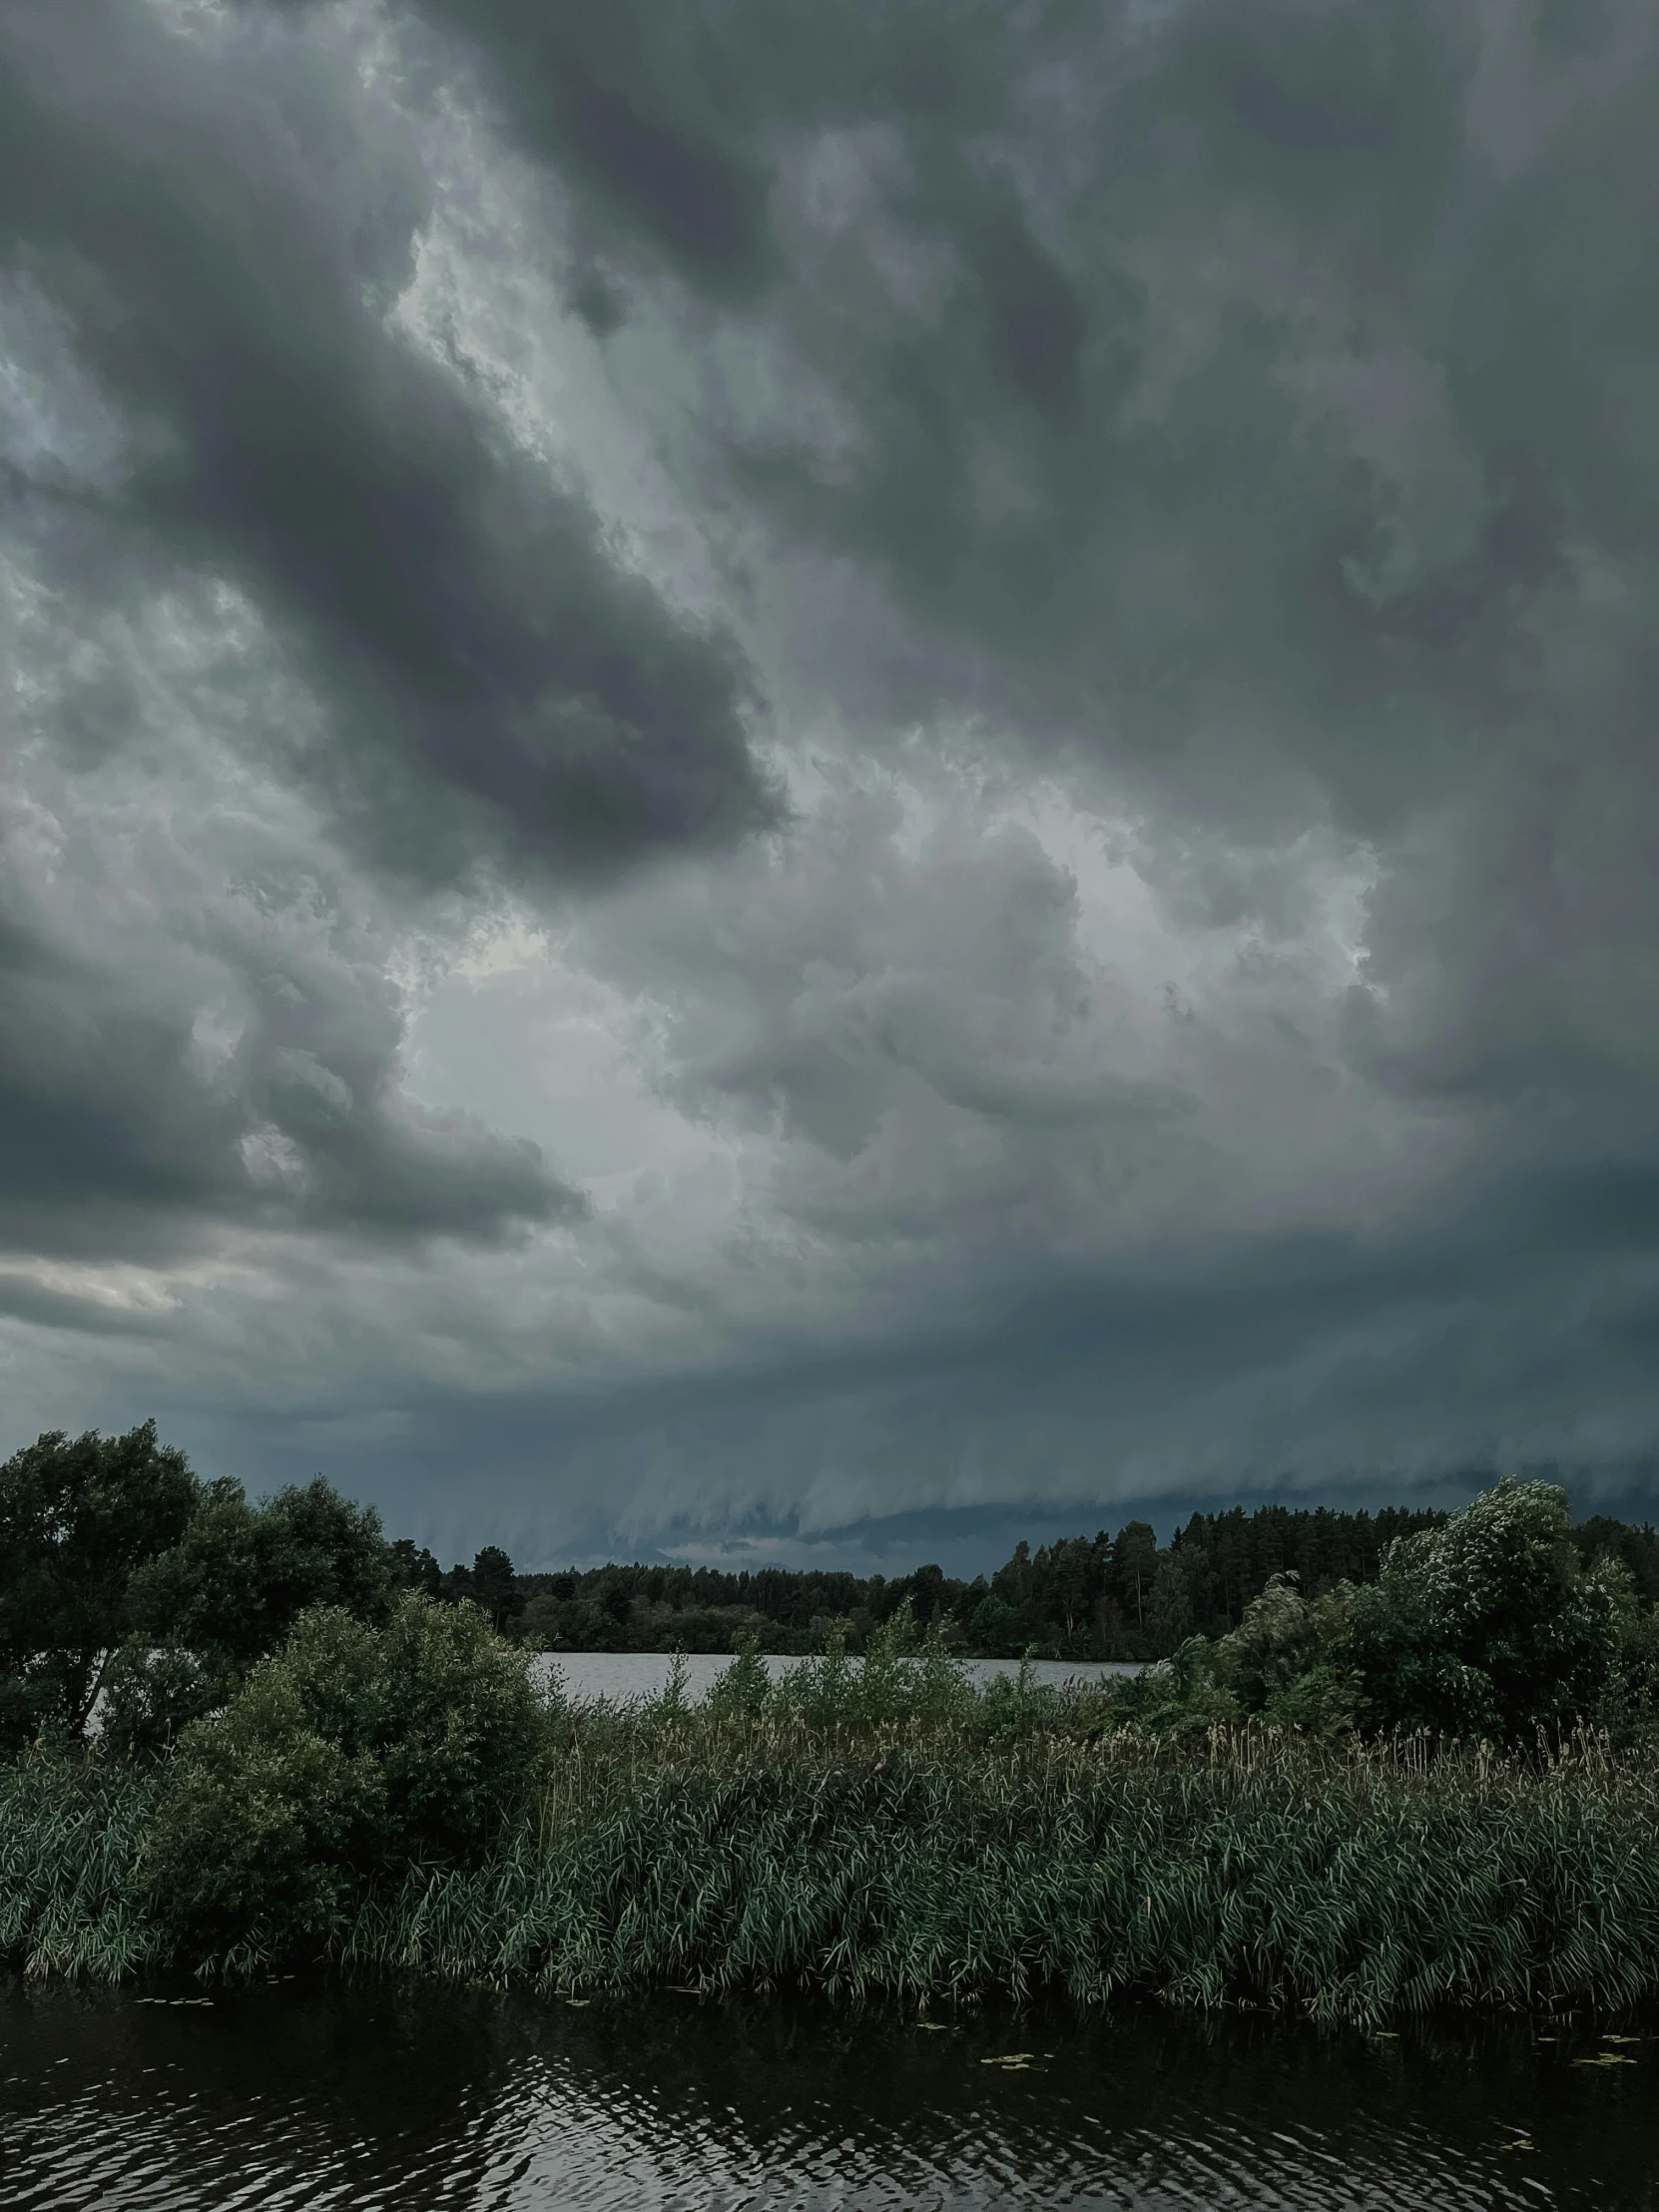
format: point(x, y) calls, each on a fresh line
point(121, 1570)
point(80, 1518)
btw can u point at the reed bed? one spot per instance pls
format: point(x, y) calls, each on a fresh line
point(73, 1899)
point(925, 1860)
point(925, 1865)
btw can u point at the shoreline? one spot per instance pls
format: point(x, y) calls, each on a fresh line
point(587, 1676)
point(922, 1865)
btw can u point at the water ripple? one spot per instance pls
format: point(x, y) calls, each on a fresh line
point(381, 2100)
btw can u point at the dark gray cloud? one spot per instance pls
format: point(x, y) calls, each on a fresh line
point(202, 241)
point(1260, 399)
point(239, 1071)
point(1517, 1334)
point(226, 226)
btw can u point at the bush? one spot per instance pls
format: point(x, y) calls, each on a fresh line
point(1487, 1626)
point(1280, 1663)
point(1178, 1697)
point(353, 1749)
point(743, 1687)
point(1628, 1708)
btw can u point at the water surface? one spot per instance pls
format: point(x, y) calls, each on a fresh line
point(434, 2100)
point(620, 1675)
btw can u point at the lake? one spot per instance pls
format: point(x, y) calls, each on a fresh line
point(435, 2100)
point(624, 1675)
point(634, 1674)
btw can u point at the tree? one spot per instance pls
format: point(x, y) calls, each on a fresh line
point(492, 1586)
point(416, 1567)
point(79, 1519)
point(1133, 1563)
point(1169, 1610)
point(1489, 1625)
point(993, 1625)
point(239, 1574)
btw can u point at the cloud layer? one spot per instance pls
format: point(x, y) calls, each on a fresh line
point(778, 768)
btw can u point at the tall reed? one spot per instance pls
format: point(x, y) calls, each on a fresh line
point(73, 1899)
point(951, 1855)
point(926, 1863)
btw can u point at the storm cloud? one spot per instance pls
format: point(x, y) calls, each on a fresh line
point(777, 768)
point(226, 232)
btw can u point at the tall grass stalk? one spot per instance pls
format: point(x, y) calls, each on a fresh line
point(924, 1864)
point(944, 1856)
point(71, 1894)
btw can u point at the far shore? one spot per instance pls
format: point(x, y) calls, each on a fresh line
point(588, 1676)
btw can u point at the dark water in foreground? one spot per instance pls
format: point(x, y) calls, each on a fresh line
point(435, 2100)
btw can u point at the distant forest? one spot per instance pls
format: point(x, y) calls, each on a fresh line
point(1085, 1597)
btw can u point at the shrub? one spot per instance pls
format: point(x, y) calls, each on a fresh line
point(352, 1750)
point(741, 1688)
point(1280, 1661)
point(1179, 1696)
point(1628, 1706)
point(1489, 1625)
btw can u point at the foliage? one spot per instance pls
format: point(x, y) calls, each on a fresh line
point(743, 1688)
point(79, 1517)
point(152, 1692)
point(1489, 1625)
point(1213, 1831)
point(1099, 1597)
point(936, 1866)
point(1285, 1662)
point(239, 1574)
point(1628, 1706)
point(71, 1894)
point(937, 1862)
point(121, 1573)
point(354, 1748)
point(226, 1594)
point(1179, 1697)
point(302, 1754)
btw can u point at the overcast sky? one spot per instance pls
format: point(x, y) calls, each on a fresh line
point(824, 779)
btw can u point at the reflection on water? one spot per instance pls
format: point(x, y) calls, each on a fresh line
point(436, 2100)
point(632, 1674)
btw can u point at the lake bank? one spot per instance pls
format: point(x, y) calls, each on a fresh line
point(619, 1676)
point(1438, 1794)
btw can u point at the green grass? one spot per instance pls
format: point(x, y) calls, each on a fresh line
point(928, 1866)
point(73, 1899)
point(947, 1857)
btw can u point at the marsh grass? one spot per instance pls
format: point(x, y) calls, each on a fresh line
point(948, 1847)
point(918, 1861)
point(72, 1892)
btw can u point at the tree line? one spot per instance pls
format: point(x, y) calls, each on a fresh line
point(1122, 1596)
point(130, 1582)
